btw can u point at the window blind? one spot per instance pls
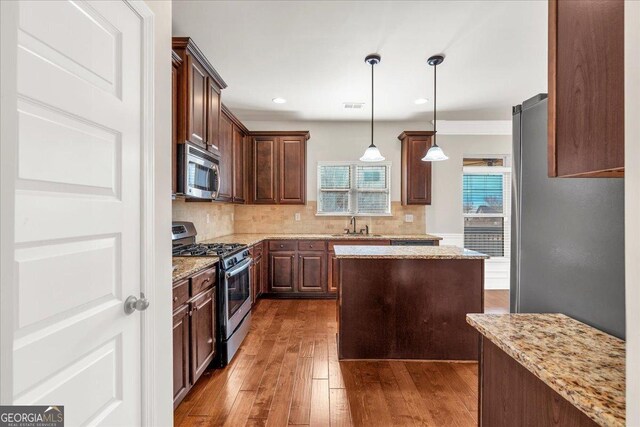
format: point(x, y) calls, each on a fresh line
point(486, 208)
point(353, 188)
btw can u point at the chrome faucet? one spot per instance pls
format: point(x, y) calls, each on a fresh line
point(354, 230)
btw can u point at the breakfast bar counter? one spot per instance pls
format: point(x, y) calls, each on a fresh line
point(408, 302)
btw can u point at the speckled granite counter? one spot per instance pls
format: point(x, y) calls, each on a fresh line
point(252, 239)
point(407, 252)
point(186, 266)
point(582, 364)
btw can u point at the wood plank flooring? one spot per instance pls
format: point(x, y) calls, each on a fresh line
point(287, 373)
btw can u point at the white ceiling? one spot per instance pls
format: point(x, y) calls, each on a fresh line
point(312, 54)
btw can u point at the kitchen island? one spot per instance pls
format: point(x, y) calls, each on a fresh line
point(408, 302)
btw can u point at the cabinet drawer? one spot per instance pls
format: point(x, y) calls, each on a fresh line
point(282, 245)
point(203, 280)
point(360, 242)
point(312, 245)
point(180, 293)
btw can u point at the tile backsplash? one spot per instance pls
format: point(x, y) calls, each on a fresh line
point(281, 219)
point(228, 219)
point(220, 217)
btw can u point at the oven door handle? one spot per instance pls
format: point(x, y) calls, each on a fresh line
point(239, 268)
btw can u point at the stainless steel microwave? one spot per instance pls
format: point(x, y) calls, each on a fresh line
point(198, 172)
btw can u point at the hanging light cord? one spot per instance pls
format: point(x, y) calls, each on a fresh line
point(435, 68)
point(372, 104)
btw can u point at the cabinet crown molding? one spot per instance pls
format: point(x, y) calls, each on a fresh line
point(304, 133)
point(408, 133)
point(189, 45)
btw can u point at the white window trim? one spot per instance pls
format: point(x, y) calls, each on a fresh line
point(353, 201)
point(505, 171)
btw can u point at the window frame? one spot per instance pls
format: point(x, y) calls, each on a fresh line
point(353, 190)
point(505, 172)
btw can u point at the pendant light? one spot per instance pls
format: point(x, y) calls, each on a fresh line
point(435, 153)
point(372, 154)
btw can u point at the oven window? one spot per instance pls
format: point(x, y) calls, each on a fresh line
point(201, 177)
point(237, 292)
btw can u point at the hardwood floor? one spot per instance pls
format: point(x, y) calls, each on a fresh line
point(287, 373)
point(496, 301)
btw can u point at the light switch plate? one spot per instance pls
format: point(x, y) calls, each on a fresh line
point(297, 216)
point(408, 218)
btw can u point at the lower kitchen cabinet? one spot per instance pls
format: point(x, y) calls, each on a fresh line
point(282, 271)
point(194, 330)
point(312, 271)
point(306, 268)
point(256, 273)
point(181, 383)
point(203, 337)
point(333, 269)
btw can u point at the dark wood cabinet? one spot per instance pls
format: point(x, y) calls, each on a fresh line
point(256, 271)
point(415, 174)
point(176, 64)
point(194, 330)
point(198, 111)
point(510, 393)
point(332, 273)
point(263, 177)
point(282, 271)
point(586, 88)
point(292, 154)
point(203, 337)
point(278, 167)
point(238, 165)
point(214, 105)
point(181, 372)
point(312, 271)
point(226, 159)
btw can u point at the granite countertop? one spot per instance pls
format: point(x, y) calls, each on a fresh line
point(252, 239)
point(186, 266)
point(407, 252)
point(582, 364)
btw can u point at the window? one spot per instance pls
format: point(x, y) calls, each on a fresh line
point(354, 188)
point(486, 204)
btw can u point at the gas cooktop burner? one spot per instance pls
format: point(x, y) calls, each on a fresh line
point(208, 249)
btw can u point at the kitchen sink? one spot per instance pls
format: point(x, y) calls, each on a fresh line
point(356, 236)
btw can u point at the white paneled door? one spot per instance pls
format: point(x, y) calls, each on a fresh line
point(77, 234)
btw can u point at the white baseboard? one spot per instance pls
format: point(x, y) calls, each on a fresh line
point(496, 270)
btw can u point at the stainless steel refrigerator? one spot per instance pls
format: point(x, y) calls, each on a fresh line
point(567, 251)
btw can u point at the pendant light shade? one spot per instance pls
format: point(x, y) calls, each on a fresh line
point(435, 153)
point(372, 154)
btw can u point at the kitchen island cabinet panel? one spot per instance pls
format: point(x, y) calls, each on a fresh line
point(408, 302)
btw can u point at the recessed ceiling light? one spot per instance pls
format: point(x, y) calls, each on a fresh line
point(279, 100)
point(421, 101)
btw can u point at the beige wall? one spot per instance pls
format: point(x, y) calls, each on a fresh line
point(219, 221)
point(445, 213)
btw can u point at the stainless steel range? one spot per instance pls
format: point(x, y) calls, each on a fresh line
point(233, 290)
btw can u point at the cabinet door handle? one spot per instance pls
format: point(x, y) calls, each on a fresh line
point(282, 246)
point(210, 340)
point(175, 299)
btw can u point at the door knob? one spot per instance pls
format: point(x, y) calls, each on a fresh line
point(132, 303)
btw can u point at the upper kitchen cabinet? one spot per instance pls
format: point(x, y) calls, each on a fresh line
point(176, 64)
point(226, 159)
point(416, 174)
point(198, 111)
point(236, 144)
point(278, 167)
point(586, 88)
